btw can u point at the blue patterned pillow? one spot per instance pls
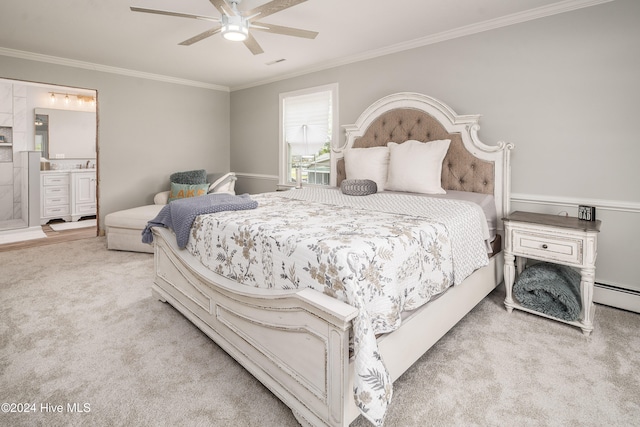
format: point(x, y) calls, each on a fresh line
point(182, 191)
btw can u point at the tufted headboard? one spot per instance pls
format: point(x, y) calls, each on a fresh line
point(469, 165)
point(461, 170)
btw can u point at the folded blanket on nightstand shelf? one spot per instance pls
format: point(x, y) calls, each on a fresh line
point(551, 289)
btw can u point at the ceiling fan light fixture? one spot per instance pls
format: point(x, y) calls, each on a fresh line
point(234, 28)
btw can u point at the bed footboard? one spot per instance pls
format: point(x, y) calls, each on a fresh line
point(296, 344)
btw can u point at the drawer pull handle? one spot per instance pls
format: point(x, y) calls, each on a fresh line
point(544, 246)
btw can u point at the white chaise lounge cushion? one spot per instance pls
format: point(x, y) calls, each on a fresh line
point(124, 228)
point(136, 218)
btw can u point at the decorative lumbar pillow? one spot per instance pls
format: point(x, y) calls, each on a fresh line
point(358, 187)
point(416, 167)
point(183, 191)
point(193, 177)
point(367, 163)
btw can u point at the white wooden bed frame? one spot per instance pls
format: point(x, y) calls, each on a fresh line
point(297, 343)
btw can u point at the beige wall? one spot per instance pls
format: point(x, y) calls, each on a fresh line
point(147, 129)
point(563, 89)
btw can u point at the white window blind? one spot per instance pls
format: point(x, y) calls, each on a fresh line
point(307, 122)
point(307, 131)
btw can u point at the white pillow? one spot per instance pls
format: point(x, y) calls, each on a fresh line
point(224, 184)
point(367, 163)
point(416, 166)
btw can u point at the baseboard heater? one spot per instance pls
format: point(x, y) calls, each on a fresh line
point(614, 296)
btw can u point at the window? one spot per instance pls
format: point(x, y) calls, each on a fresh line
point(308, 129)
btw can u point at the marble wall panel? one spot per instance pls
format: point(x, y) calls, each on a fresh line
point(6, 98)
point(20, 143)
point(6, 174)
point(17, 183)
point(19, 90)
point(6, 202)
point(6, 119)
point(19, 114)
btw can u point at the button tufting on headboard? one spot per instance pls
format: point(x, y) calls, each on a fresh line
point(463, 171)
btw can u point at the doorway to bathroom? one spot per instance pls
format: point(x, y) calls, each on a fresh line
point(48, 134)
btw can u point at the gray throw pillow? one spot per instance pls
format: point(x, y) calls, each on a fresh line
point(358, 187)
point(193, 177)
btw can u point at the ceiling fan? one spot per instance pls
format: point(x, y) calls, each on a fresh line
point(235, 24)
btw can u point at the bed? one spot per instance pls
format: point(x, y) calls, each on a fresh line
point(327, 359)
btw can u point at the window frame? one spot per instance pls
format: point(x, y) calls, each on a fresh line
point(283, 152)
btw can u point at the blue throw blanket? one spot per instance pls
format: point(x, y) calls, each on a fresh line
point(180, 214)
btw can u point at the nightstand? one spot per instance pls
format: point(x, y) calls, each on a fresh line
point(557, 239)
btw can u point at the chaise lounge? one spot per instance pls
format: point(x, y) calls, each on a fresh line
point(124, 228)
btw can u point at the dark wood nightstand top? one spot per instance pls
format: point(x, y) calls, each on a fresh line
point(554, 221)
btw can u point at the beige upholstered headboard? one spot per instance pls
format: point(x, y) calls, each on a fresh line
point(469, 165)
point(460, 170)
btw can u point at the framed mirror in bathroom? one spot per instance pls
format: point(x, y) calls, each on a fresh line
point(65, 134)
point(42, 134)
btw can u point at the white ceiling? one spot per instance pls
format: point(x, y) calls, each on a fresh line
point(106, 35)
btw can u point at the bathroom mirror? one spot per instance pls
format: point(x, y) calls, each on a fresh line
point(42, 134)
point(65, 134)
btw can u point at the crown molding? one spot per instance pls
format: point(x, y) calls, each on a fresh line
point(106, 69)
point(516, 18)
point(492, 24)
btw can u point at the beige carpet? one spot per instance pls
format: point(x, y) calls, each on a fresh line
point(79, 328)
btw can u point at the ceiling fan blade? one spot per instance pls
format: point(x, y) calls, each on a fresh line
point(271, 8)
point(200, 36)
point(253, 45)
point(287, 31)
point(180, 15)
point(223, 7)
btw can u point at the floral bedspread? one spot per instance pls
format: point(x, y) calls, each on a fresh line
point(378, 261)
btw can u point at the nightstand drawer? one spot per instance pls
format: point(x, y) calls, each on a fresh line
point(545, 247)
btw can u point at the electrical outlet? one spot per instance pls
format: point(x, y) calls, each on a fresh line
point(587, 213)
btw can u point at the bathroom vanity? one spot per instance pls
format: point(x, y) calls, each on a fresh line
point(67, 194)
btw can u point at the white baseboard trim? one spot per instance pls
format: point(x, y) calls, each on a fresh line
point(625, 299)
